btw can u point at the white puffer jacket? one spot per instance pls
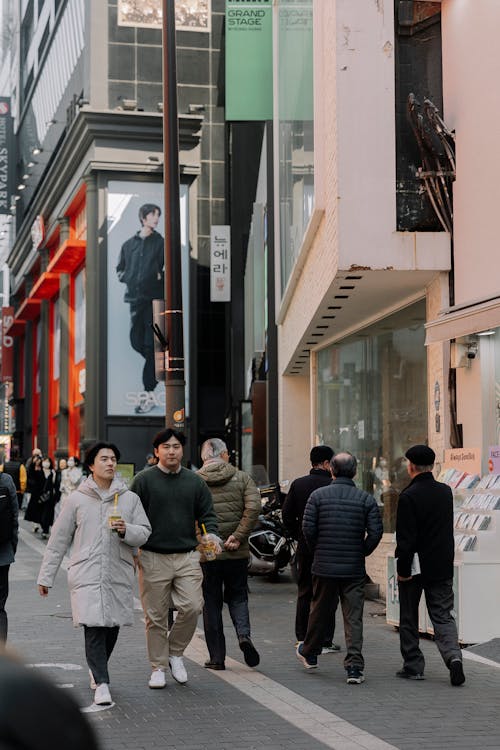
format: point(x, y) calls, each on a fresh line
point(101, 566)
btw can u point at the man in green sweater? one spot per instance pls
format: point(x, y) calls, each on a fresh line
point(174, 500)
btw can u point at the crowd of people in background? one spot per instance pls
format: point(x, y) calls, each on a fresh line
point(186, 533)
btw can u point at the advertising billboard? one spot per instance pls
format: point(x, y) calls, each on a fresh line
point(135, 277)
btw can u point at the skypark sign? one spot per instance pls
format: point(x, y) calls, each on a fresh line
point(6, 155)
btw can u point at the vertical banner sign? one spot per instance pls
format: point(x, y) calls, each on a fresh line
point(6, 155)
point(295, 50)
point(249, 60)
point(220, 264)
point(7, 345)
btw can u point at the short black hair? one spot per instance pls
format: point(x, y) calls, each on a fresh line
point(344, 465)
point(148, 208)
point(164, 435)
point(320, 453)
point(94, 450)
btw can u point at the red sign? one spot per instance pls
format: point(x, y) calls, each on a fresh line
point(7, 345)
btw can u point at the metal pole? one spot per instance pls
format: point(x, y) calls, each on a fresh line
point(174, 357)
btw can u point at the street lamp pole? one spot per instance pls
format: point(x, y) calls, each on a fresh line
point(174, 356)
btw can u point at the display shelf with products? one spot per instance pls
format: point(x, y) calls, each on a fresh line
point(477, 559)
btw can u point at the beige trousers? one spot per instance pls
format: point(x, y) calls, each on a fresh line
point(163, 578)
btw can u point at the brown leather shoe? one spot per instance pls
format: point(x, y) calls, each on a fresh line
point(214, 665)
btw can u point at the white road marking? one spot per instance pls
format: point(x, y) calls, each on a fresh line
point(481, 659)
point(94, 708)
point(50, 665)
point(317, 722)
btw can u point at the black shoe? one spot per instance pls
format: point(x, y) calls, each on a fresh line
point(214, 665)
point(457, 676)
point(410, 675)
point(250, 653)
point(355, 676)
point(309, 662)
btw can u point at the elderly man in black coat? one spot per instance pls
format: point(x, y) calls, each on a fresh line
point(424, 552)
point(342, 526)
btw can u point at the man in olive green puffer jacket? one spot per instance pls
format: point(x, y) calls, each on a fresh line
point(237, 505)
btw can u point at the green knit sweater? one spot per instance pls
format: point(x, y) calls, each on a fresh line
point(173, 502)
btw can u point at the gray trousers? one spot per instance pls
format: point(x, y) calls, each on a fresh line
point(439, 600)
point(326, 595)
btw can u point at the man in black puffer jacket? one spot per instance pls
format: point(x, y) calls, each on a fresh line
point(292, 513)
point(342, 526)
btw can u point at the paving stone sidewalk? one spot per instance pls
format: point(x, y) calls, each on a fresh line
point(211, 712)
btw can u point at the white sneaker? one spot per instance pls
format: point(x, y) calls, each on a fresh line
point(178, 669)
point(157, 679)
point(102, 695)
point(92, 681)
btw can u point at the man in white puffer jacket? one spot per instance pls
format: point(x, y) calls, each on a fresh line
point(101, 565)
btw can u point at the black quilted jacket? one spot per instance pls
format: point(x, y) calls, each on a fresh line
point(342, 526)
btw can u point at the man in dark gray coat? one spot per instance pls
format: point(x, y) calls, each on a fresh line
point(9, 525)
point(342, 526)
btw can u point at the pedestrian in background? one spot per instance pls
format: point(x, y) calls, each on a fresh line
point(16, 469)
point(425, 549)
point(101, 522)
point(175, 500)
point(151, 460)
point(48, 496)
point(35, 483)
point(342, 526)
point(9, 526)
point(237, 505)
point(71, 476)
point(300, 490)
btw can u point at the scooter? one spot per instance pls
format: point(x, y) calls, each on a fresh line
point(271, 546)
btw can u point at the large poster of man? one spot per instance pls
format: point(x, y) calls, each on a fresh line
point(135, 279)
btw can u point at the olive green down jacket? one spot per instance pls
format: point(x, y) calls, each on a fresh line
point(237, 503)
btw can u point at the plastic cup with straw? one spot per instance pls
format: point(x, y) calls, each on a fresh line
point(208, 547)
point(114, 515)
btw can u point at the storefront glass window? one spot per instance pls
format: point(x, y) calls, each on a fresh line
point(372, 401)
point(296, 131)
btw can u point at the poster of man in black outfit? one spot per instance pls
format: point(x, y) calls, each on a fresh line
point(140, 267)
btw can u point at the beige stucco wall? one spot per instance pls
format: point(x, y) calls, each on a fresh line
point(471, 72)
point(438, 357)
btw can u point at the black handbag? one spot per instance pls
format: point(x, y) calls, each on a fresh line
point(45, 497)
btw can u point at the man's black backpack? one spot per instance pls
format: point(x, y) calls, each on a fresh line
point(6, 520)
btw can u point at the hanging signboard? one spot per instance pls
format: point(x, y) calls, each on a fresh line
point(249, 60)
point(7, 345)
point(220, 264)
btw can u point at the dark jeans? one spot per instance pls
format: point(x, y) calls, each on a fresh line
point(304, 596)
point(224, 581)
point(99, 645)
point(326, 595)
point(439, 600)
point(4, 593)
point(142, 340)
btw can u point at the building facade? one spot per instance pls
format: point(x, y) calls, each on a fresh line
point(88, 129)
